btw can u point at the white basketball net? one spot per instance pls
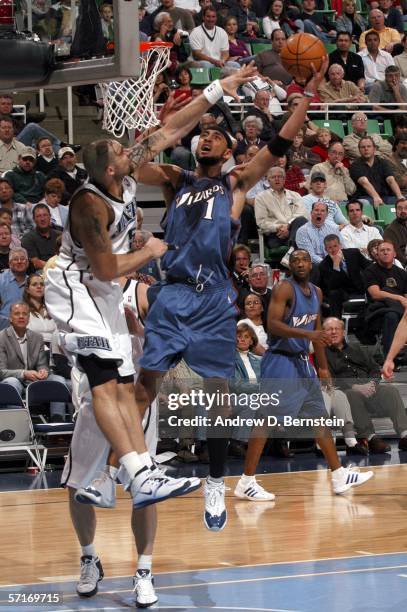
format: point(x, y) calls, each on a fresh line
point(129, 104)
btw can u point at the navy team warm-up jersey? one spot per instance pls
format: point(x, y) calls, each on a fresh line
point(303, 314)
point(199, 228)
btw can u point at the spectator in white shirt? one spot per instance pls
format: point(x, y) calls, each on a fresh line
point(357, 235)
point(279, 212)
point(210, 43)
point(375, 60)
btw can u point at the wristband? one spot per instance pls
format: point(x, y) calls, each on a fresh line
point(214, 92)
point(279, 146)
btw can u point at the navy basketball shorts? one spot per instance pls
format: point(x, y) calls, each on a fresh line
point(199, 327)
point(295, 387)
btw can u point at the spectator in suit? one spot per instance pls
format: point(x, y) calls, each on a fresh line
point(350, 62)
point(357, 234)
point(26, 181)
point(356, 372)
point(23, 358)
point(374, 176)
point(70, 174)
point(41, 242)
point(240, 262)
point(396, 231)
point(12, 283)
point(5, 241)
point(386, 285)
point(340, 273)
point(388, 36)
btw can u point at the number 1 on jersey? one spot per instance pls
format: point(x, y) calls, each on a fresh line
point(209, 209)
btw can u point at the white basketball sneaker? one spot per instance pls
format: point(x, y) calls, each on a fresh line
point(101, 492)
point(91, 574)
point(215, 514)
point(143, 588)
point(345, 478)
point(152, 485)
point(253, 491)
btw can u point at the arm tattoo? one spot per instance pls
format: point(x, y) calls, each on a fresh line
point(147, 149)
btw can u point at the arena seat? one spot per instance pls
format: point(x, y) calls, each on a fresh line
point(200, 76)
point(334, 125)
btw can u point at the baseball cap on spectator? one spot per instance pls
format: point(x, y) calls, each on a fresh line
point(318, 176)
point(28, 152)
point(64, 150)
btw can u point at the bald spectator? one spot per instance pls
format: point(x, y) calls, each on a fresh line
point(336, 89)
point(261, 109)
point(357, 234)
point(279, 212)
point(269, 63)
point(359, 130)
point(374, 176)
point(388, 36)
point(398, 162)
point(210, 43)
point(339, 185)
point(375, 60)
point(396, 231)
point(388, 91)
point(10, 148)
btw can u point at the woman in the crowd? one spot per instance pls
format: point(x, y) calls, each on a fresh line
point(39, 321)
point(183, 77)
point(302, 156)
point(276, 19)
point(237, 47)
point(161, 90)
point(350, 21)
point(253, 310)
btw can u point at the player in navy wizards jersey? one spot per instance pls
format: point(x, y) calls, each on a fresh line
point(293, 322)
point(192, 314)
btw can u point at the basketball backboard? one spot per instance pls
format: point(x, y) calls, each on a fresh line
point(93, 40)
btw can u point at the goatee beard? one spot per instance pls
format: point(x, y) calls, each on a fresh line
point(208, 161)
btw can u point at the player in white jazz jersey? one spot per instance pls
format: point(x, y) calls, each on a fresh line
point(84, 299)
point(89, 462)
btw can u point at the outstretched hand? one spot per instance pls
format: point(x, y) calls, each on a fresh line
point(318, 76)
point(171, 106)
point(245, 74)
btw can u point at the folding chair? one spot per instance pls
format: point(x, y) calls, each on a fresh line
point(49, 391)
point(16, 427)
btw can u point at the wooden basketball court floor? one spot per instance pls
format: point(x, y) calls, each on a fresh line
point(309, 551)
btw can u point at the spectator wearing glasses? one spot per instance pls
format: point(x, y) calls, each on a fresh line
point(258, 281)
point(359, 130)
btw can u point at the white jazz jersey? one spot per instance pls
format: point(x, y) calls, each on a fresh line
point(89, 313)
point(89, 448)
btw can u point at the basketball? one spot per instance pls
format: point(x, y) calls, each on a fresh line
point(300, 52)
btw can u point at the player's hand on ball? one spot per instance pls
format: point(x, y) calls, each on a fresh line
point(156, 247)
point(245, 74)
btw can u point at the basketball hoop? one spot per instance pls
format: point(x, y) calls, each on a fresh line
point(129, 104)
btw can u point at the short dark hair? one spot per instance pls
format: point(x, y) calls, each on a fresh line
point(211, 8)
point(275, 31)
point(372, 33)
point(319, 202)
point(331, 238)
point(6, 118)
point(353, 202)
point(37, 144)
point(38, 207)
point(6, 211)
point(343, 33)
point(182, 69)
point(367, 137)
point(293, 254)
point(4, 179)
point(392, 70)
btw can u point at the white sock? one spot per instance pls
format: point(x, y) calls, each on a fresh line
point(144, 562)
point(145, 459)
point(112, 471)
point(211, 480)
point(246, 479)
point(89, 550)
point(131, 463)
point(403, 434)
point(351, 442)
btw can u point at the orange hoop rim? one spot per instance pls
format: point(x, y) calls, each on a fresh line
point(154, 44)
